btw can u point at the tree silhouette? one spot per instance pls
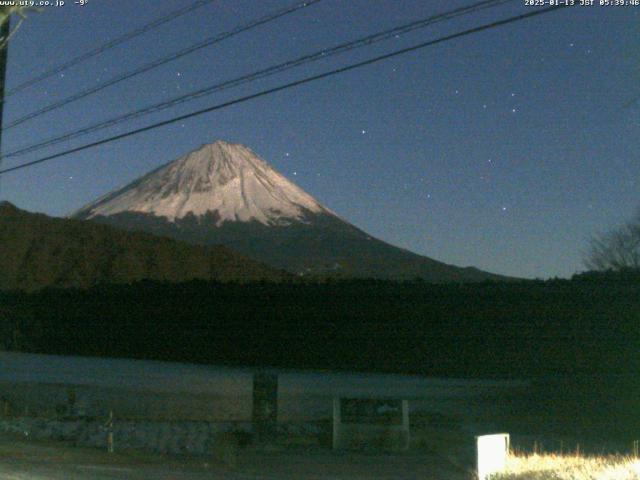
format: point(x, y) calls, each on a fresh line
point(618, 249)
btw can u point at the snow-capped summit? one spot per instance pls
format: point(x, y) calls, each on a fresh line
point(223, 194)
point(224, 179)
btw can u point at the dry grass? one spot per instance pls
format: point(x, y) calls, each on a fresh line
point(570, 467)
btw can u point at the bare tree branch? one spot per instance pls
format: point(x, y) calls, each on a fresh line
point(5, 14)
point(618, 249)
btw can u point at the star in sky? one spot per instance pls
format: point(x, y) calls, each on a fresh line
point(453, 140)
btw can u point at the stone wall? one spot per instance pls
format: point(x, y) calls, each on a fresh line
point(161, 437)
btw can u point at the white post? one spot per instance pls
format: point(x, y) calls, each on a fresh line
point(492, 453)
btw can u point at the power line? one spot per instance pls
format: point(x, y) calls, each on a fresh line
point(286, 86)
point(162, 61)
point(109, 45)
point(316, 56)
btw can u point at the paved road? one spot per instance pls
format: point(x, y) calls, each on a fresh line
point(20, 470)
point(22, 460)
point(12, 470)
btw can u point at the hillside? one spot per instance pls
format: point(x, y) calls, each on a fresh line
point(37, 251)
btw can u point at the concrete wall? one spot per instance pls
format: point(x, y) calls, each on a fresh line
point(68, 400)
point(183, 408)
point(161, 437)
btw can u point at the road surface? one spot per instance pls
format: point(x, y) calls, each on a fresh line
point(22, 459)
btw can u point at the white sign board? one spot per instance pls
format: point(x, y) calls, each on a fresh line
point(360, 423)
point(492, 451)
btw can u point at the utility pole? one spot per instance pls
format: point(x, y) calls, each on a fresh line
point(4, 34)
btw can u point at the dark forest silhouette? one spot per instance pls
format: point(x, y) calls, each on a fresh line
point(581, 326)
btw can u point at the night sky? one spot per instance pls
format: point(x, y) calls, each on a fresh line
point(504, 150)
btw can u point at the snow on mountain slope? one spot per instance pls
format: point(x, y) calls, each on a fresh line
point(221, 177)
point(223, 194)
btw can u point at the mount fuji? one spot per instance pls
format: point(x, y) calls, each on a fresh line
point(223, 193)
